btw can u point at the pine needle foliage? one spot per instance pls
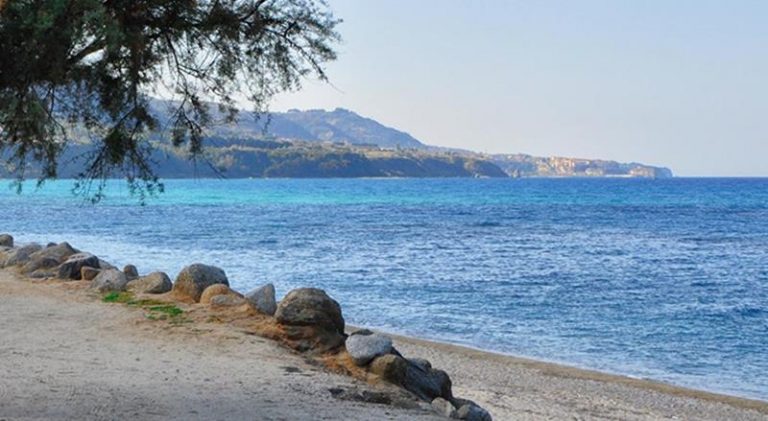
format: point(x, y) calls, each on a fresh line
point(69, 67)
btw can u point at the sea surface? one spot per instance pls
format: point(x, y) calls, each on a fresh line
point(661, 279)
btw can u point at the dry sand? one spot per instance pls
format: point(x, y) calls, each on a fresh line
point(66, 355)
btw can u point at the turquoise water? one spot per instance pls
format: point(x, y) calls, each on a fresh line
point(664, 279)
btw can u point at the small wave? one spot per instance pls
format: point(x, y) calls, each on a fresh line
point(703, 284)
point(487, 224)
point(750, 311)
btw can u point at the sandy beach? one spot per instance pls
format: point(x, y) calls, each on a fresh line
point(67, 355)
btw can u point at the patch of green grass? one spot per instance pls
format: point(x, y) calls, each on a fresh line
point(158, 310)
point(118, 297)
point(168, 309)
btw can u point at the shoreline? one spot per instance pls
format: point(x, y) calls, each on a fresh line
point(581, 372)
point(564, 370)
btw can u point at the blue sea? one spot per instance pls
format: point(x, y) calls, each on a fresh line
point(661, 279)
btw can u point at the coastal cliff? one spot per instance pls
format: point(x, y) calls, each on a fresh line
point(325, 144)
point(521, 165)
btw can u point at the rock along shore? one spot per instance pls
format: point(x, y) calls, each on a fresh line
point(306, 320)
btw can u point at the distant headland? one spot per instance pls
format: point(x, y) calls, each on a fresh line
point(339, 144)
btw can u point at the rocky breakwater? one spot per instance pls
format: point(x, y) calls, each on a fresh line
point(306, 320)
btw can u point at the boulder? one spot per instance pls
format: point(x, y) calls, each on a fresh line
point(47, 258)
point(195, 278)
point(311, 320)
point(443, 407)
point(131, 272)
point(391, 368)
point(227, 301)
point(21, 255)
point(60, 252)
point(39, 262)
point(153, 283)
point(109, 280)
point(427, 383)
point(472, 412)
point(6, 240)
point(363, 346)
point(310, 307)
point(263, 299)
point(416, 377)
point(216, 290)
point(71, 268)
point(88, 273)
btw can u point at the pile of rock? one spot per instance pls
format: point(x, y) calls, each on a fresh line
point(375, 352)
point(64, 262)
point(309, 319)
point(54, 260)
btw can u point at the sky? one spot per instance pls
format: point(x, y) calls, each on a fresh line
point(682, 83)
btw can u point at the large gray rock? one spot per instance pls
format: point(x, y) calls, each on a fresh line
point(427, 383)
point(72, 267)
point(60, 252)
point(195, 278)
point(48, 258)
point(21, 255)
point(310, 307)
point(109, 280)
point(263, 299)
point(443, 407)
point(311, 321)
point(472, 412)
point(153, 283)
point(39, 262)
point(416, 377)
point(6, 240)
point(363, 346)
point(131, 272)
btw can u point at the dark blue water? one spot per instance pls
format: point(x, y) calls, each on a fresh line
point(665, 279)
